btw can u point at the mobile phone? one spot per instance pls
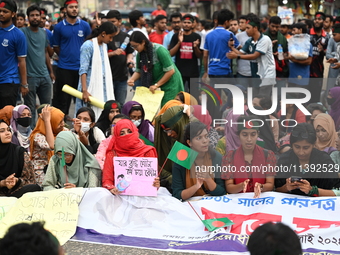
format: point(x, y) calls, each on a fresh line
point(295, 179)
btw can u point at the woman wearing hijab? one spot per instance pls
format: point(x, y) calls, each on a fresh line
point(49, 124)
point(6, 113)
point(207, 120)
point(333, 101)
point(20, 124)
point(111, 109)
point(325, 133)
point(126, 144)
point(95, 71)
point(187, 183)
point(238, 178)
point(168, 105)
point(186, 98)
point(81, 169)
point(155, 68)
point(16, 169)
point(135, 112)
point(169, 127)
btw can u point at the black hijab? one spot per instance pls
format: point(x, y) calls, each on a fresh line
point(11, 159)
point(103, 122)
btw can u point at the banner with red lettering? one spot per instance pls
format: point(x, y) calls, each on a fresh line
point(164, 222)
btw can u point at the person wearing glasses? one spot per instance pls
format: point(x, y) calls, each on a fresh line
point(305, 170)
point(16, 169)
point(76, 168)
point(155, 68)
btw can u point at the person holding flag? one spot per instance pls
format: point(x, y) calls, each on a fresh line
point(72, 165)
point(193, 177)
point(239, 163)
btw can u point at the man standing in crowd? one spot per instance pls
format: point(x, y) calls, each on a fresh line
point(137, 22)
point(281, 64)
point(39, 68)
point(185, 46)
point(258, 49)
point(120, 55)
point(176, 24)
point(13, 51)
point(242, 22)
point(160, 25)
point(284, 29)
point(48, 32)
point(159, 11)
point(319, 40)
point(328, 24)
point(20, 22)
point(234, 26)
point(68, 36)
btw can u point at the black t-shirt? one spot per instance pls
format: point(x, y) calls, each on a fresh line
point(118, 63)
point(317, 68)
point(186, 60)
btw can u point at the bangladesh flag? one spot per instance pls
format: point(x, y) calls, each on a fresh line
point(213, 224)
point(182, 155)
point(62, 163)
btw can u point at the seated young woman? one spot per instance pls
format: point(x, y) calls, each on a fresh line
point(49, 124)
point(126, 144)
point(197, 181)
point(303, 161)
point(249, 154)
point(136, 113)
point(20, 125)
point(111, 109)
point(16, 169)
point(81, 169)
point(325, 133)
point(84, 126)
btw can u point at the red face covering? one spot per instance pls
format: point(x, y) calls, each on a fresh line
point(129, 145)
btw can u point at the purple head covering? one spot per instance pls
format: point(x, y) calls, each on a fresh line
point(21, 139)
point(17, 111)
point(335, 107)
point(143, 128)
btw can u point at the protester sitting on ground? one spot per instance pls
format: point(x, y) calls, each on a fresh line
point(20, 125)
point(84, 126)
point(126, 144)
point(24, 238)
point(186, 98)
point(6, 113)
point(314, 109)
point(136, 112)
point(168, 105)
point(111, 109)
point(104, 145)
point(325, 133)
point(197, 181)
point(274, 238)
point(76, 168)
point(16, 169)
point(333, 100)
point(48, 126)
point(207, 120)
point(249, 154)
point(169, 127)
point(300, 163)
point(155, 67)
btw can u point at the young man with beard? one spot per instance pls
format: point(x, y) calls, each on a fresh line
point(68, 36)
point(39, 68)
point(176, 24)
point(328, 24)
point(319, 39)
point(120, 55)
point(158, 35)
point(13, 51)
point(185, 46)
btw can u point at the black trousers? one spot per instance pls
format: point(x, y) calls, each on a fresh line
point(8, 94)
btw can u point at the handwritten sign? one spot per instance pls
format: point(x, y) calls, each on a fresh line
point(135, 176)
point(151, 102)
point(58, 208)
point(5, 204)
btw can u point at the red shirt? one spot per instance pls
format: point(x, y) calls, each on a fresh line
point(157, 38)
point(155, 13)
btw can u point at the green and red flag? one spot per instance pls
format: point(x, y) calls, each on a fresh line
point(182, 155)
point(213, 224)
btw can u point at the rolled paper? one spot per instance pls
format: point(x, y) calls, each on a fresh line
point(73, 92)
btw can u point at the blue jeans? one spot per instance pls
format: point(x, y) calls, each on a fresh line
point(41, 86)
point(120, 91)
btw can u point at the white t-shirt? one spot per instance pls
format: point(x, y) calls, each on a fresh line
point(243, 66)
point(266, 62)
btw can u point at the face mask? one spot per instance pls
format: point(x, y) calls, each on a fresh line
point(330, 100)
point(137, 122)
point(25, 122)
point(85, 127)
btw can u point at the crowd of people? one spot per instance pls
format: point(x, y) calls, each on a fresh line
point(42, 147)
